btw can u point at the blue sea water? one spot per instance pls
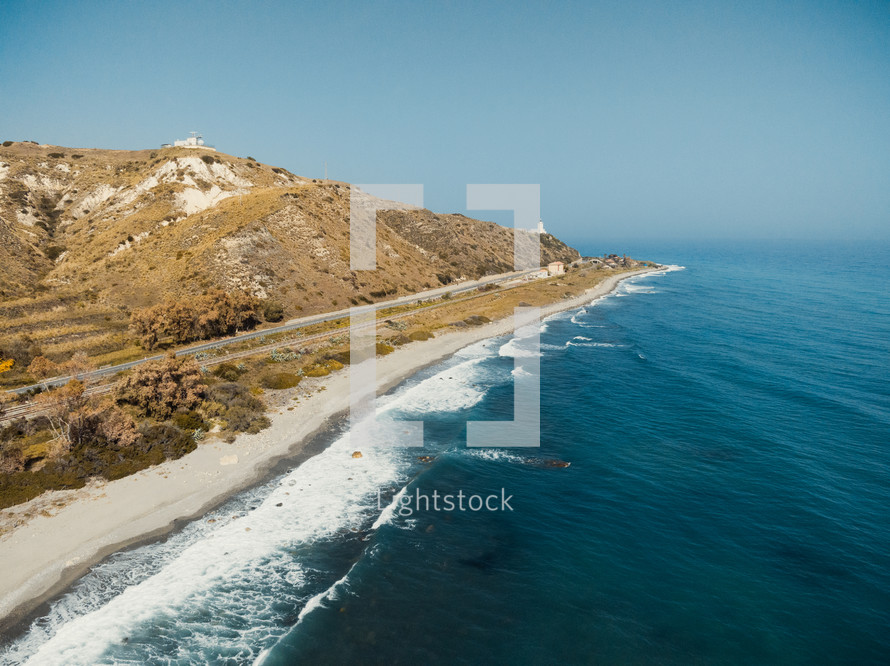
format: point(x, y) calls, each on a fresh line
point(727, 427)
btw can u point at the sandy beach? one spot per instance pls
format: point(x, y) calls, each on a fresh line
point(67, 532)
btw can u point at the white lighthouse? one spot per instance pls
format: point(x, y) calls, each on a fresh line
point(540, 229)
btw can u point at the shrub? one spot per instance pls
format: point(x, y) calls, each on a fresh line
point(241, 411)
point(162, 441)
point(419, 336)
point(241, 419)
point(11, 459)
point(340, 357)
point(53, 252)
point(228, 394)
point(7, 144)
point(273, 311)
point(279, 380)
point(207, 159)
point(159, 388)
point(100, 454)
point(383, 349)
point(317, 371)
point(213, 314)
point(118, 428)
point(228, 372)
point(189, 420)
point(41, 367)
point(57, 156)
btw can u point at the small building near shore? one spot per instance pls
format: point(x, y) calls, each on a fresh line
point(556, 268)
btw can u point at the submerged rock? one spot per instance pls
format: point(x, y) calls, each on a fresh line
point(548, 463)
point(356, 454)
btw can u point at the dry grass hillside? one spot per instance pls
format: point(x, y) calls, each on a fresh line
point(86, 236)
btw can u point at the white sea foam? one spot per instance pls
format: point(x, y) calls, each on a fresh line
point(669, 268)
point(519, 348)
point(388, 515)
point(449, 390)
point(573, 343)
point(639, 289)
point(481, 349)
point(326, 494)
point(493, 455)
point(332, 593)
point(239, 566)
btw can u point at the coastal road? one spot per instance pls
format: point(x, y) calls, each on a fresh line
point(292, 325)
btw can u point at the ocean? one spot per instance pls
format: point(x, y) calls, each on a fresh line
point(726, 425)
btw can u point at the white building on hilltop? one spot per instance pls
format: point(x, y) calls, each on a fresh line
point(540, 229)
point(194, 141)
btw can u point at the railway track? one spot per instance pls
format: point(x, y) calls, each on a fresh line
point(31, 410)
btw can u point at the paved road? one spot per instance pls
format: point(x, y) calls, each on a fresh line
point(292, 325)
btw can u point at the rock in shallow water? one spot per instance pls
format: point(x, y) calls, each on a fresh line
point(548, 463)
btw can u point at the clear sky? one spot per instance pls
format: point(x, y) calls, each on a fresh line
point(638, 120)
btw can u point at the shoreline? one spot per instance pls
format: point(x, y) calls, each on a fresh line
point(43, 557)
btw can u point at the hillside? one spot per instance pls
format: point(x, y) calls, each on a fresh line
point(86, 236)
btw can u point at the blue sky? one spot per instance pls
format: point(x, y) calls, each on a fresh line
point(638, 120)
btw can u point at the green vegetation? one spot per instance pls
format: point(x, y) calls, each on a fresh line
point(162, 409)
point(229, 372)
point(156, 413)
point(319, 370)
point(235, 408)
point(279, 380)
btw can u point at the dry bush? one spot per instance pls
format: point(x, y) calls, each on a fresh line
point(159, 388)
point(118, 428)
point(273, 311)
point(41, 368)
point(217, 313)
point(64, 409)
